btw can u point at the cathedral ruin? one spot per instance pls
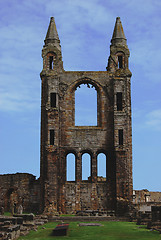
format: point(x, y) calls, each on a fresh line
point(111, 136)
point(60, 136)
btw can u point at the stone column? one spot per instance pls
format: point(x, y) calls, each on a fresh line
point(78, 176)
point(94, 167)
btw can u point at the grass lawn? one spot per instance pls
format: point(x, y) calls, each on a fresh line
point(7, 214)
point(109, 230)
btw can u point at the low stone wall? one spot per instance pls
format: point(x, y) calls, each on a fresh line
point(144, 195)
point(152, 218)
point(19, 225)
point(87, 218)
point(146, 206)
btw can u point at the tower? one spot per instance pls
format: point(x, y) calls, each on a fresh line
point(111, 136)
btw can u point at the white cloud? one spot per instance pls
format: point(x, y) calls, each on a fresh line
point(83, 27)
point(20, 64)
point(17, 100)
point(81, 12)
point(154, 119)
point(145, 55)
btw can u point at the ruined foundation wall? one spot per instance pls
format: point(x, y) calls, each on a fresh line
point(19, 189)
point(145, 196)
point(85, 196)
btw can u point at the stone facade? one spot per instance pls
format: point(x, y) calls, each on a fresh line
point(52, 193)
point(145, 196)
point(60, 136)
point(143, 200)
point(19, 189)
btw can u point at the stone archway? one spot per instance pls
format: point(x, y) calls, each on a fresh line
point(11, 199)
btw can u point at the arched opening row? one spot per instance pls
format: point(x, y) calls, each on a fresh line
point(86, 167)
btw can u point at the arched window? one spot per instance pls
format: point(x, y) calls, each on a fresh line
point(53, 99)
point(86, 166)
point(120, 61)
point(101, 166)
point(51, 62)
point(70, 167)
point(119, 101)
point(85, 105)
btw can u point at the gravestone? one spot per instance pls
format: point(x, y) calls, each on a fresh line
point(20, 209)
point(61, 229)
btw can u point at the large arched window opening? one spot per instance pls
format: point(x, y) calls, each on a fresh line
point(86, 166)
point(70, 167)
point(101, 167)
point(85, 105)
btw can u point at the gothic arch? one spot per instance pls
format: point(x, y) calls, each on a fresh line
point(80, 81)
point(101, 166)
point(101, 151)
point(86, 160)
point(100, 92)
point(71, 150)
point(89, 151)
point(70, 166)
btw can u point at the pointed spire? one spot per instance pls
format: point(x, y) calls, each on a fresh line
point(118, 37)
point(52, 34)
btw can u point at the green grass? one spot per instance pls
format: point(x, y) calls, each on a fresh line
point(109, 231)
point(10, 214)
point(7, 214)
point(67, 215)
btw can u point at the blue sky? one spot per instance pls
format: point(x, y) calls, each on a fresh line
point(85, 29)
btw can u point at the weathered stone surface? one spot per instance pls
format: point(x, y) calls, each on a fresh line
point(115, 192)
point(155, 222)
point(145, 196)
point(26, 217)
point(90, 224)
point(144, 200)
point(12, 227)
point(20, 189)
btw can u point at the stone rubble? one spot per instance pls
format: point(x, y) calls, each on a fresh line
point(19, 225)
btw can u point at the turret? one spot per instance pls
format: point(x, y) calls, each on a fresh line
point(119, 52)
point(51, 52)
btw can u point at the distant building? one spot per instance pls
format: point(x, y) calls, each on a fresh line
point(143, 200)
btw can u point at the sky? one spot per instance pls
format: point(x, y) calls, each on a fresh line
point(85, 29)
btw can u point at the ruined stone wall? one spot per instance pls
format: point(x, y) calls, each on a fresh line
point(19, 189)
point(102, 138)
point(145, 196)
point(60, 136)
point(144, 200)
point(92, 196)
